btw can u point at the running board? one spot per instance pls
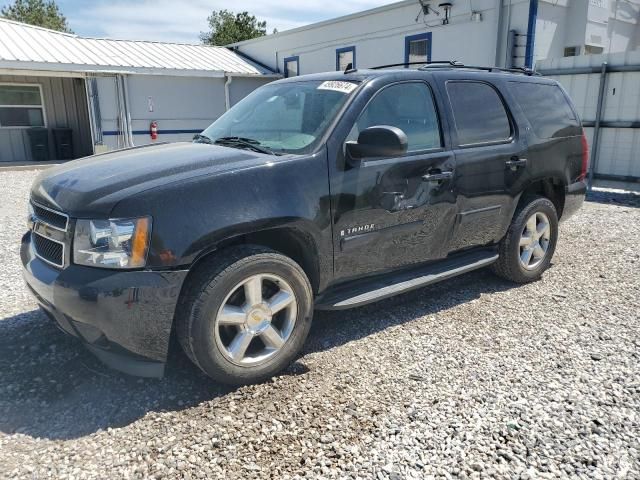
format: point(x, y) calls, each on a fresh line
point(386, 286)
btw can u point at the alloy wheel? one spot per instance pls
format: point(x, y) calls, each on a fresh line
point(256, 319)
point(535, 240)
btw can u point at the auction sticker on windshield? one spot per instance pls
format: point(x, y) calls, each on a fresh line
point(338, 86)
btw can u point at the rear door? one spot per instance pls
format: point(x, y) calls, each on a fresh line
point(491, 157)
point(554, 134)
point(386, 215)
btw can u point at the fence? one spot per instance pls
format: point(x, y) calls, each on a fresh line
point(606, 92)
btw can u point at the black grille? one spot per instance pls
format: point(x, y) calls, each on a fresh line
point(55, 219)
point(49, 250)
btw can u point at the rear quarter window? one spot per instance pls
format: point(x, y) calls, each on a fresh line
point(546, 108)
point(479, 113)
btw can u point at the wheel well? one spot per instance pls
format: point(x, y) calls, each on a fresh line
point(287, 241)
point(551, 188)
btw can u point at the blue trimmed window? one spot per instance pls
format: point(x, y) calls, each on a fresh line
point(291, 66)
point(417, 48)
point(344, 57)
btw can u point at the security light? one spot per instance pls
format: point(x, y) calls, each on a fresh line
point(446, 6)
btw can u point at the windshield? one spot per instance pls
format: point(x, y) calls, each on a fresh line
point(281, 118)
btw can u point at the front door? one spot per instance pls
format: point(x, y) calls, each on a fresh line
point(392, 212)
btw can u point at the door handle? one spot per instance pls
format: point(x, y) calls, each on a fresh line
point(437, 176)
point(516, 163)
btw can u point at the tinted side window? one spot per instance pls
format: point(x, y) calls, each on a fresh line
point(479, 113)
point(546, 108)
point(408, 106)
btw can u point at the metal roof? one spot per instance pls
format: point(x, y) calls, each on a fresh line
point(27, 47)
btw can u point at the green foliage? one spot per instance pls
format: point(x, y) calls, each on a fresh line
point(38, 13)
point(227, 27)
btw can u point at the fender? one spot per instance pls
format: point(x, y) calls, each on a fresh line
point(290, 240)
point(194, 217)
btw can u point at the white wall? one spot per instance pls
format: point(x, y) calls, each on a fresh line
point(378, 34)
point(624, 26)
point(241, 87)
point(179, 103)
point(515, 17)
point(379, 37)
point(613, 25)
point(553, 30)
point(576, 25)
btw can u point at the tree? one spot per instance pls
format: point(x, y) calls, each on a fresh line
point(38, 13)
point(227, 27)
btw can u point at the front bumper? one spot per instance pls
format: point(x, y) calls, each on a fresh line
point(124, 317)
point(573, 199)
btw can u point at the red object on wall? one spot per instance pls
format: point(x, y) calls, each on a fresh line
point(154, 130)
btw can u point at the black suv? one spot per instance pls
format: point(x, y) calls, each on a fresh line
point(324, 191)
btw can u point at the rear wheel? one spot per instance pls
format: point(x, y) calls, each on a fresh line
point(246, 315)
point(527, 248)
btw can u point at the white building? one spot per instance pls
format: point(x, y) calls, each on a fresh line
point(505, 33)
point(475, 32)
point(107, 92)
point(71, 96)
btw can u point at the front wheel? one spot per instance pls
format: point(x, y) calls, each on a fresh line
point(246, 315)
point(527, 248)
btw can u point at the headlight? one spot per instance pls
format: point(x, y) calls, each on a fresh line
point(121, 243)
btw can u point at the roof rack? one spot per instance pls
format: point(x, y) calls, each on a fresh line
point(450, 63)
point(455, 64)
point(523, 70)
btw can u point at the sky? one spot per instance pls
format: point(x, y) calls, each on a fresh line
point(182, 21)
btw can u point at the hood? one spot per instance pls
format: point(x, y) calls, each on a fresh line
point(91, 187)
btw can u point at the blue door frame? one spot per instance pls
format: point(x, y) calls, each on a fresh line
point(531, 33)
point(412, 38)
point(351, 49)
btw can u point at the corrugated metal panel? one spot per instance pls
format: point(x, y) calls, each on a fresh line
point(619, 149)
point(65, 105)
point(34, 45)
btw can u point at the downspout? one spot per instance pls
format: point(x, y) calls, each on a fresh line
point(127, 111)
point(227, 96)
point(531, 33)
point(122, 140)
point(91, 111)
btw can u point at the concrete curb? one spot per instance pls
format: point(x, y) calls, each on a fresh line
point(15, 166)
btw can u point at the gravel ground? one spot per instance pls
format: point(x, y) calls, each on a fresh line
point(471, 378)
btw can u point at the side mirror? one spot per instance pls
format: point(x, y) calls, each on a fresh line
point(378, 141)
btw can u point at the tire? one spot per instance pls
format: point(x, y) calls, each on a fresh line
point(512, 256)
point(219, 307)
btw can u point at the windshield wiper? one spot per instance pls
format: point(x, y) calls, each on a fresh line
point(200, 138)
point(244, 142)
